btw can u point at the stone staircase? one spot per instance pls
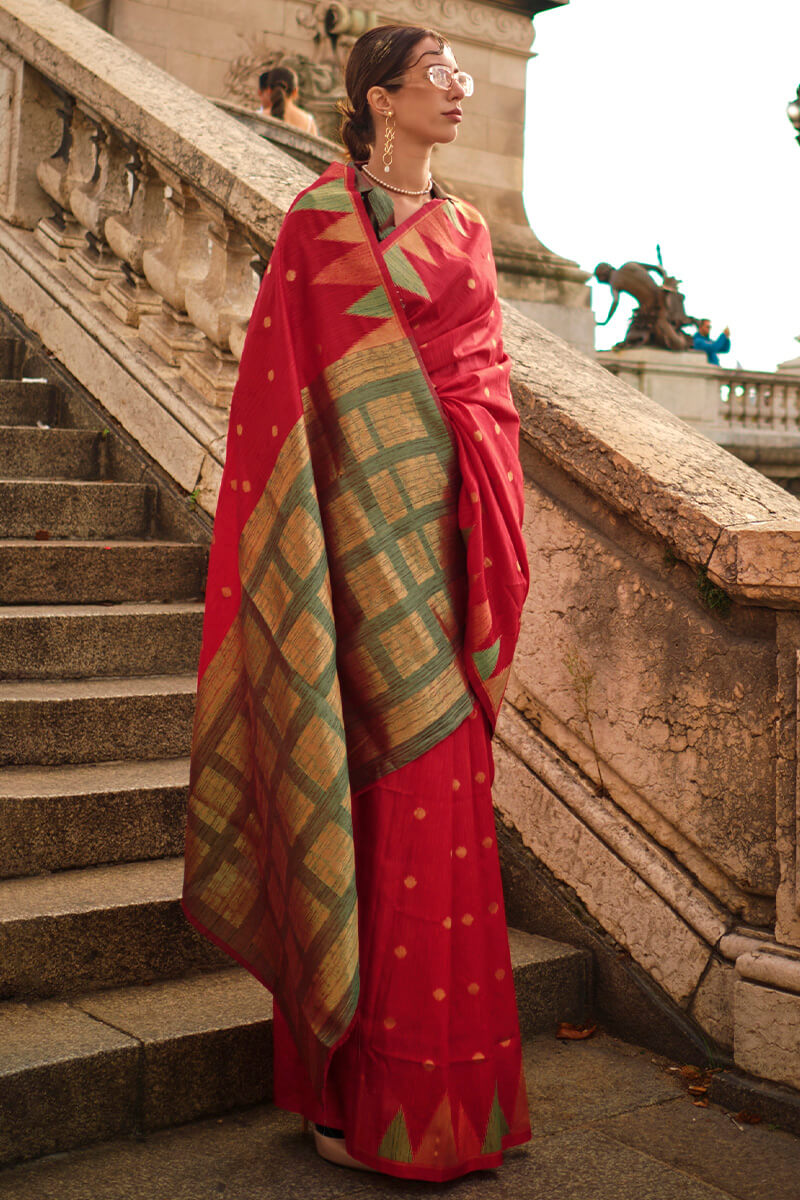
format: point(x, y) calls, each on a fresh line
point(115, 1016)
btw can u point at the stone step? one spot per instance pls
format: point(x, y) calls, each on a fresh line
point(95, 720)
point(31, 453)
point(142, 1058)
point(97, 927)
point(82, 641)
point(85, 572)
point(24, 402)
point(56, 818)
point(63, 509)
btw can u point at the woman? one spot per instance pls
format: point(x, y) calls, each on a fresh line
point(365, 588)
point(284, 87)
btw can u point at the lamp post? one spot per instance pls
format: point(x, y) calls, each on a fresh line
point(793, 113)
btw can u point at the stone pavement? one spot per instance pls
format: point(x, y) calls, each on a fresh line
point(611, 1121)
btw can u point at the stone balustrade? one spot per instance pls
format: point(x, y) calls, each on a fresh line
point(169, 223)
point(647, 755)
point(759, 400)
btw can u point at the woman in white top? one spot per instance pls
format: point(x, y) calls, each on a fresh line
point(284, 88)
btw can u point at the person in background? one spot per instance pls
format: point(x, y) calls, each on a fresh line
point(702, 340)
point(264, 93)
point(283, 89)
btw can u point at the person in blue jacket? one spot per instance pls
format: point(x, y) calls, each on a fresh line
point(702, 341)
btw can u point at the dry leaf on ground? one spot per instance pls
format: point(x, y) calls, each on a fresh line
point(570, 1032)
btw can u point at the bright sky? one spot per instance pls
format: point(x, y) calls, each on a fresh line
point(666, 123)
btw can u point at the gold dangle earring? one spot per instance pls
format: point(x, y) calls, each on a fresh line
point(388, 142)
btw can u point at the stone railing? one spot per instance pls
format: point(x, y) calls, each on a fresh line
point(148, 208)
point(648, 752)
point(759, 400)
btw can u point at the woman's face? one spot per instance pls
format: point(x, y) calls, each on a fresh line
point(424, 113)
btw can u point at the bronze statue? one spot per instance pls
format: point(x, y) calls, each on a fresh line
point(660, 316)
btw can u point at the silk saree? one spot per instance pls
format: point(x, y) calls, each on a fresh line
point(366, 580)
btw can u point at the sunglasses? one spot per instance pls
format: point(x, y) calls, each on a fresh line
point(443, 77)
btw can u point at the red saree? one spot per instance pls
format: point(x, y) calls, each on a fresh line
point(372, 438)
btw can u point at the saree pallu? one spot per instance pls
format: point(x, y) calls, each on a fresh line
point(342, 638)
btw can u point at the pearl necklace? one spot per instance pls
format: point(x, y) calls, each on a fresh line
point(390, 187)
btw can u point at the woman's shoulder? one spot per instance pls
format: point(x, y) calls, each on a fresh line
point(328, 191)
point(468, 211)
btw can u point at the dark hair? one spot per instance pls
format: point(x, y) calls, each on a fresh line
point(263, 81)
point(379, 54)
point(282, 81)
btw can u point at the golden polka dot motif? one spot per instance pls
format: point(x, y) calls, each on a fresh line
point(270, 375)
point(226, 591)
point(471, 284)
point(496, 427)
point(439, 994)
point(267, 322)
point(487, 843)
point(461, 851)
point(291, 276)
point(473, 497)
point(447, 922)
point(510, 476)
point(487, 562)
point(493, 907)
point(400, 951)
point(506, 1043)
point(240, 430)
point(473, 989)
point(245, 485)
point(480, 777)
point(486, 392)
point(478, 435)
point(467, 919)
point(478, 1056)
point(274, 430)
point(420, 814)
point(500, 974)
point(269, 268)
point(456, 784)
point(429, 1064)
point(410, 882)
point(389, 1023)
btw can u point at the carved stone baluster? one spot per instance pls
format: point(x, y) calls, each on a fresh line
point(259, 264)
point(129, 235)
point(766, 412)
point(180, 260)
point(741, 403)
point(93, 201)
point(71, 165)
point(218, 304)
point(792, 406)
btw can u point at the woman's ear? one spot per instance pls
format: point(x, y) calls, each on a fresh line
point(379, 101)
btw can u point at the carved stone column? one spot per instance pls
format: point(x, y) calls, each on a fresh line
point(92, 202)
point(70, 165)
point(129, 234)
point(180, 260)
point(219, 304)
